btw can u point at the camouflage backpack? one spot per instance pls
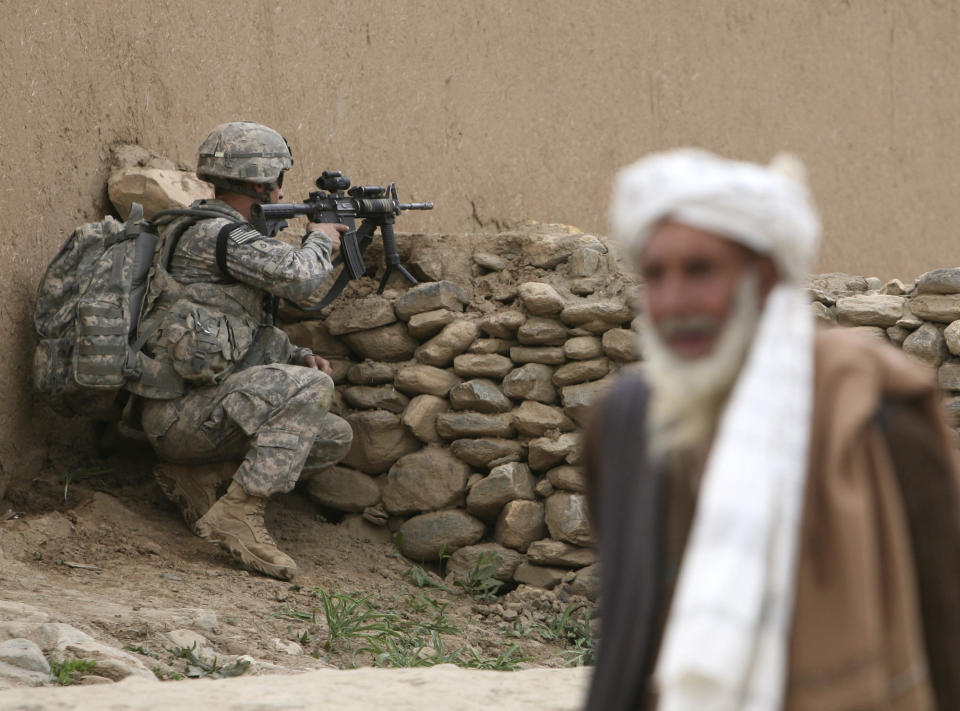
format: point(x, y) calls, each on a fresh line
point(88, 315)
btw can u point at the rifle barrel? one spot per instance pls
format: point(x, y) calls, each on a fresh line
point(415, 205)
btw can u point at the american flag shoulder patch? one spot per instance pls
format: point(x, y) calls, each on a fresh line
point(244, 234)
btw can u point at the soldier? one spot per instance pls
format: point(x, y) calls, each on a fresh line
point(255, 405)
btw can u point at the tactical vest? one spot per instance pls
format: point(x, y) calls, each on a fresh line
point(207, 330)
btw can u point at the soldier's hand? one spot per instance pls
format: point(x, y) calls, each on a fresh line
point(333, 230)
point(321, 364)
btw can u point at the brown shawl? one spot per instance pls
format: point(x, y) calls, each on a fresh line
point(881, 535)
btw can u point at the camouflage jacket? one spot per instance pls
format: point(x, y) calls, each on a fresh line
point(209, 324)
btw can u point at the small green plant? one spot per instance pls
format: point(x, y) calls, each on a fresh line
point(298, 615)
point(573, 630)
point(199, 666)
point(480, 583)
point(82, 474)
point(516, 629)
point(581, 654)
point(410, 650)
point(349, 617)
point(141, 650)
point(66, 672)
point(505, 661)
point(419, 576)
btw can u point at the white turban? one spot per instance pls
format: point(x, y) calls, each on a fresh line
point(767, 209)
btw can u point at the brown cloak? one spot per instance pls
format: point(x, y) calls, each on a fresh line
point(877, 613)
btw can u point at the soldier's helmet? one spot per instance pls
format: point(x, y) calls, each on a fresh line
point(243, 151)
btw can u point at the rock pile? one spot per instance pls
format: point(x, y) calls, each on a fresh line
point(28, 639)
point(465, 394)
point(922, 318)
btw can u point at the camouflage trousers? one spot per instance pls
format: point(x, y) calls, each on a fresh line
point(273, 417)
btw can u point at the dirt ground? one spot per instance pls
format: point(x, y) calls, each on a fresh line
point(98, 547)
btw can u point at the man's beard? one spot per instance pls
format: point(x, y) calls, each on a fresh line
point(687, 396)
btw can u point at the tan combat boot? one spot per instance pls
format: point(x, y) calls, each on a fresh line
point(235, 521)
point(193, 487)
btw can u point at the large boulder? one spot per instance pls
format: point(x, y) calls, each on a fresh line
point(535, 419)
point(426, 536)
point(545, 452)
point(370, 397)
point(453, 340)
point(944, 308)
point(456, 425)
point(939, 281)
point(480, 395)
point(421, 379)
point(420, 417)
point(343, 489)
point(869, 310)
point(428, 323)
point(430, 297)
point(547, 355)
point(503, 484)
point(360, 315)
point(371, 373)
point(538, 331)
point(586, 583)
point(379, 439)
point(386, 343)
point(559, 553)
point(481, 365)
point(504, 560)
point(539, 576)
point(532, 381)
point(567, 520)
point(837, 284)
point(581, 371)
point(483, 452)
point(502, 324)
point(927, 344)
point(520, 523)
point(540, 299)
point(578, 399)
point(154, 188)
point(583, 348)
point(427, 480)
point(607, 311)
point(620, 344)
point(568, 478)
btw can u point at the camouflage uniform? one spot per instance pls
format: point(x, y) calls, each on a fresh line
point(249, 398)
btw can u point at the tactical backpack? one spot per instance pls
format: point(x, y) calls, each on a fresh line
point(88, 317)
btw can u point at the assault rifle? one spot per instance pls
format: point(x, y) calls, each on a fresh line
point(336, 201)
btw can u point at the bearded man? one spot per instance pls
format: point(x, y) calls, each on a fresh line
point(778, 509)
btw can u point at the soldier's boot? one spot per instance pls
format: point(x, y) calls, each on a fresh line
point(193, 488)
point(235, 521)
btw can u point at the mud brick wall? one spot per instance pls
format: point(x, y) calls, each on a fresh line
point(465, 395)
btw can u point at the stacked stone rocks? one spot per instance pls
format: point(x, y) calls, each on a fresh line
point(465, 398)
point(922, 318)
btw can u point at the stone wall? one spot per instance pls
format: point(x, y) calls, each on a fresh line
point(922, 318)
point(498, 111)
point(465, 394)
